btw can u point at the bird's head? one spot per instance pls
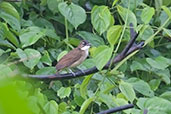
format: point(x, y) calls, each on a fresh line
point(84, 45)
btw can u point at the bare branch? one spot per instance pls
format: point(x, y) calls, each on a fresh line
point(116, 109)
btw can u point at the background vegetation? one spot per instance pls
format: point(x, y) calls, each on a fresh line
point(35, 34)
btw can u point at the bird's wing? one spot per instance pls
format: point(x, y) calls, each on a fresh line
point(66, 60)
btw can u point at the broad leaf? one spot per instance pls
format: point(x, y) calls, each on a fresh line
point(29, 57)
point(157, 105)
point(64, 92)
point(11, 20)
point(141, 86)
point(167, 10)
point(113, 34)
point(166, 95)
point(85, 105)
point(159, 62)
point(83, 87)
point(46, 59)
point(100, 18)
point(51, 107)
point(75, 14)
point(147, 14)
point(128, 15)
point(127, 90)
point(31, 35)
point(102, 56)
point(8, 8)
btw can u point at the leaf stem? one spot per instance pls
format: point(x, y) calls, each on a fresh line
point(66, 31)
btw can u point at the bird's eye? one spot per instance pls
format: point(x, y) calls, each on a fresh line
point(83, 43)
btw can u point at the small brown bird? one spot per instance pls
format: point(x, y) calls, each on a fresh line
point(74, 57)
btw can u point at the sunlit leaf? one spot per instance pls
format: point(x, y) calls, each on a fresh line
point(83, 87)
point(8, 8)
point(113, 34)
point(102, 56)
point(64, 92)
point(75, 14)
point(147, 14)
point(85, 105)
point(100, 18)
point(11, 20)
point(128, 15)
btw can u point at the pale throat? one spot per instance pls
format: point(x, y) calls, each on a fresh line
point(85, 48)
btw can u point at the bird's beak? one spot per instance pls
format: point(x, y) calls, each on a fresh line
point(88, 44)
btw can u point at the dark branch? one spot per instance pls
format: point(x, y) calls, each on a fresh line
point(116, 109)
point(130, 48)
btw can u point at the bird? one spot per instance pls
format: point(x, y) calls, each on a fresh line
point(75, 57)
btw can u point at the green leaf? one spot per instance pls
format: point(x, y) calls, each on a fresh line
point(147, 14)
point(51, 34)
point(168, 32)
point(51, 107)
point(3, 30)
point(141, 86)
point(113, 34)
point(132, 4)
point(62, 107)
point(94, 39)
point(107, 99)
point(164, 74)
point(83, 87)
point(6, 44)
point(30, 57)
point(77, 97)
point(154, 84)
point(114, 2)
point(127, 14)
point(64, 92)
point(31, 35)
point(53, 5)
point(8, 8)
point(160, 62)
point(157, 105)
point(127, 90)
point(12, 38)
point(85, 105)
point(137, 66)
point(11, 20)
point(1, 51)
point(166, 95)
point(61, 55)
point(75, 14)
point(167, 10)
point(46, 58)
point(46, 71)
point(103, 56)
point(100, 18)
point(5, 71)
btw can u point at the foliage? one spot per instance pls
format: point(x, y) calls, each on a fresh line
point(34, 35)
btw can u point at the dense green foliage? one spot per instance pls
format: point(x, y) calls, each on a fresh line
point(35, 34)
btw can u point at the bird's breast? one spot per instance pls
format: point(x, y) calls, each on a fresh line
point(82, 58)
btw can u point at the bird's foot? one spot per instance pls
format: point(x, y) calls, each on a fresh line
point(72, 72)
